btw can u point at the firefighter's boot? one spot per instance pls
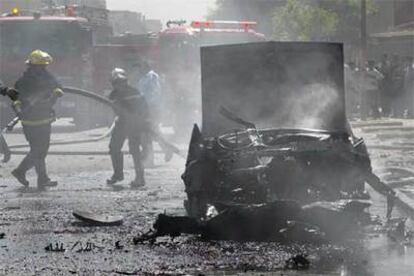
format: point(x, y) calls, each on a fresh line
point(42, 179)
point(43, 183)
point(139, 181)
point(139, 172)
point(21, 177)
point(118, 166)
point(20, 172)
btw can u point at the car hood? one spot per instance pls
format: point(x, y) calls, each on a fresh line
point(273, 85)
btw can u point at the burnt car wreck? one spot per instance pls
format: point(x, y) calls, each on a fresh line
point(276, 158)
point(260, 166)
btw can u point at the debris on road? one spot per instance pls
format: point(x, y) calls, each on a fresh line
point(298, 262)
point(118, 245)
point(93, 219)
point(80, 248)
point(281, 220)
point(58, 247)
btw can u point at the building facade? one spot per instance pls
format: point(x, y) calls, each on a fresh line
point(396, 37)
point(100, 4)
point(127, 22)
point(7, 5)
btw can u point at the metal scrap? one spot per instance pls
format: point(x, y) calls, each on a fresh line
point(79, 247)
point(281, 221)
point(58, 247)
point(297, 262)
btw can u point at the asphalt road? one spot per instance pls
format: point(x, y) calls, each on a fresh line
point(33, 219)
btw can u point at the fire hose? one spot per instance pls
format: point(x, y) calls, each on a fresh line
point(5, 149)
point(81, 141)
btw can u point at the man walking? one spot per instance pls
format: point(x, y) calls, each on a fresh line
point(132, 110)
point(39, 91)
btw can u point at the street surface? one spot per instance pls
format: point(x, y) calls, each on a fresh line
point(31, 220)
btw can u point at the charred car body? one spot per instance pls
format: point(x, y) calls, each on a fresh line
point(274, 128)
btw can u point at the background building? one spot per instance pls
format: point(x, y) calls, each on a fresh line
point(132, 22)
point(392, 30)
point(127, 22)
point(101, 4)
point(7, 5)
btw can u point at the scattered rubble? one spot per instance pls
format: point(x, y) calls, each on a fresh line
point(78, 247)
point(93, 219)
point(118, 245)
point(58, 247)
point(282, 221)
point(298, 262)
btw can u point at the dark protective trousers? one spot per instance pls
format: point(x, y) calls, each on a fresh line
point(121, 132)
point(39, 142)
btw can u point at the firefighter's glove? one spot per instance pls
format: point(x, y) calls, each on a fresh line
point(57, 92)
point(12, 93)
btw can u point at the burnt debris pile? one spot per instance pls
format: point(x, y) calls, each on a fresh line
point(280, 221)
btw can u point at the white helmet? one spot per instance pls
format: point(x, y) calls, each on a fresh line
point(119, 74)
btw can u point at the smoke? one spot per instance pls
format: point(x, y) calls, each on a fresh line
point(274, 85)
point(313, 104)
point(165, 9)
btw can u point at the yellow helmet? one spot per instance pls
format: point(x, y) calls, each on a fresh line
point(38, 57)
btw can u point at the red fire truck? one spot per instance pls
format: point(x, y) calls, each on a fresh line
point(67, 38)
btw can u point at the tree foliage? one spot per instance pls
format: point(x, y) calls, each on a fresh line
point(337, 20)
point(303, 21)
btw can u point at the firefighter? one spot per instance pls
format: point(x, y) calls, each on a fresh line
point(39, 91)
point(13, 95)
point(132, 110)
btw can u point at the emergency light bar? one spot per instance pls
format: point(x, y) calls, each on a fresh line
point(244, 25)
point(15, 11)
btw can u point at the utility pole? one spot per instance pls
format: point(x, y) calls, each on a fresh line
point(363, 46)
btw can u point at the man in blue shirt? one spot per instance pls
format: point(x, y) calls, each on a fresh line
point(149, 83)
